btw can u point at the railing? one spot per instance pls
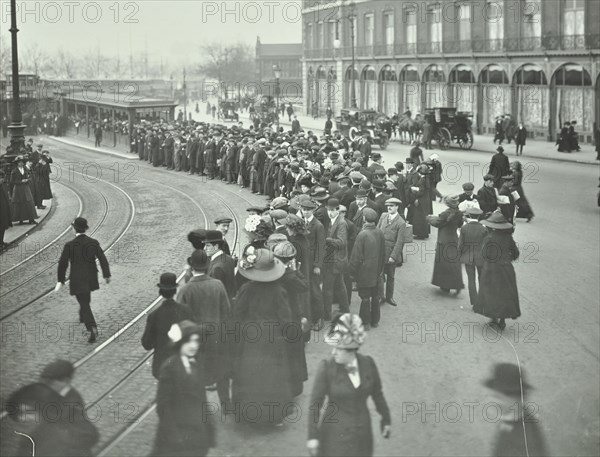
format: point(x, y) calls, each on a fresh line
point(546, 43)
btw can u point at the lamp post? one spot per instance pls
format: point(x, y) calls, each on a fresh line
point(337, 45)
point(277, 73)
point(16, 127)
point(184, 97)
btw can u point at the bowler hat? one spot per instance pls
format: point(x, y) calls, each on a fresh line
point(375, 156)
point(365, 184)
point(500, 149)
point(198, 260)
point(168, 281)
point(319, 194)
point(213, 236)
point(378, 184)
point(333, 203)
point(361, 193)
point(80, 224)
point(509, 379)
point(58, 370)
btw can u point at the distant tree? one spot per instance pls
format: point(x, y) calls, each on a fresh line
point(36, 60)
point(95, 64)
point(232, 66)
point(5, 56)
point(66, 65)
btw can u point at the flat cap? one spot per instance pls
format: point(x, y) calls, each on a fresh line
point(468, 186)
point(392, 201)
point(278, 214)
point(279, 202)
point(369, 215)
point(224, 220)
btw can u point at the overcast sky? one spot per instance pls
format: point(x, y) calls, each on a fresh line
point(173, 29)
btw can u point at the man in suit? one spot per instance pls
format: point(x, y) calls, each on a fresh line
point(160, 321)
point(376, 165)
point(335, 262)
point(392, 225)
point(320, 195)
point(364, 146)
point(470, 243)
point(278, 217)
point(499, 166)
point(486, 196)
point(380, 196)
point(222, 265)
point(81, 254)
point(316, 245)
point(210, 306)
point(355, 212)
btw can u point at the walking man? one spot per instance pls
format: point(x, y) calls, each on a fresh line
point(81, 254)
point(470, 243)
point(392, 225)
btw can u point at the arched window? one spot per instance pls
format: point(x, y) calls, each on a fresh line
point(574, 97)
point(495, 94)
point(410, 90)
point(532, 95)
point(389, 91)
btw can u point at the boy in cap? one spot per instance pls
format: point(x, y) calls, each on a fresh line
point(222, 225)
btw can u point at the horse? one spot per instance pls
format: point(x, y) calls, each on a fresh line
point(409, 128)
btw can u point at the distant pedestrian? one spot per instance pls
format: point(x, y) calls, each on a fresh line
point(499, 136)
point(98, 135)
point(290, 112)
point(524, 208)
point(347, 380)
point(81, 254)
point(470, 243)
point(5, 213)
point(520, 138)
point(328, 126)
point(498, 293)
point(499, 166)
point(160, 320)
point(184, 427)
point(295, 126)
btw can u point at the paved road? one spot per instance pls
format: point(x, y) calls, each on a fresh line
point(433, 352)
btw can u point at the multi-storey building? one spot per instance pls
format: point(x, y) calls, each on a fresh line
point(537, 60)
point(288, 58)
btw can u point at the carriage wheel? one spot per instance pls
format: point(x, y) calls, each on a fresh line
point(444, 138)
point(467, 141)
point(353, 133)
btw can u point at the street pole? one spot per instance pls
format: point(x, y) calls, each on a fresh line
point(277, 88)
point(353, 89)
point(16, 127)
point(184, 97)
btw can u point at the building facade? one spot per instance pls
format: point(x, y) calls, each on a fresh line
point(536, 60)
point(288, 57)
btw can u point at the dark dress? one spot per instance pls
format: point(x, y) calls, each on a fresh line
point(22, 207)
point(5, 214)
point(524, 210)
point(498, 293)
point(419, 207)
point(345, 426)
point(262, 367)
point(447, 272)
point(303, 253)
point(41, 174)
point(184, 427)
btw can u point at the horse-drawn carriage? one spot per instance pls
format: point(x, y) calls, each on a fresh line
point(353, 122)
point(449, 125)
point(265, 109)
point(228, 110)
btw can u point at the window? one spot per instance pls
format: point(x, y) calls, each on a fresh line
point(434, 14)
point(531, 24)
point(331, 34)
point(369, 29)
point(388, 24)
point(574, 18)
point(410, 19)
point(465, 23)
point(495, 26)
point(309, 36)
point(320, 35)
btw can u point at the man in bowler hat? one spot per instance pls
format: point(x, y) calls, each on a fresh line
point(81, 253)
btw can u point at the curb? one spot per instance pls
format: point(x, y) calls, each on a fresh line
point(33, 227)
point(65, 140)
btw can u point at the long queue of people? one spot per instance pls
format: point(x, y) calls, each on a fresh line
point(336, 223)
point(24, 187)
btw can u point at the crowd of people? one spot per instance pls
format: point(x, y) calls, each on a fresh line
point(24, 187)
point(336, 223)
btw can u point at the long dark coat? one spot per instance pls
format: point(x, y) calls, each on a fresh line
point(22, 205)
point(5, 213)
point(345, 428)
point(81, 253)
point(419, 208)
point(524, 208)
point(41, 175)
point(447, 272)
point(158, 324)
point(498, 293)
point(207, 299)
point(223, 269)
point(184, 427)
point(303, 261)
point(262, 368)
point(486, 197)
point(296, 285)
point(499, 166)
point(521, 136)
point(368, 256)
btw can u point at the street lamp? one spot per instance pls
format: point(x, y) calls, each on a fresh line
point(16, 127)
point(351, 7)
point(277, 73)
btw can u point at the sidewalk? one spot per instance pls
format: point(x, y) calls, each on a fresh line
point(18, 232)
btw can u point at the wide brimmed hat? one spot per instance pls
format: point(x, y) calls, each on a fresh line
point(473, 210)
point(168, 281)
point(198, 260)
point(508, 378)
point(347, 332)
point(80, 224)
point(319, 194)
point(261, 265)
point(497, 221)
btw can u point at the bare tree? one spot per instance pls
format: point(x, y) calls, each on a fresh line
point(66, 65)
point(5, 57)
point(231, 66)
point(95, 64)
point(36, 60)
